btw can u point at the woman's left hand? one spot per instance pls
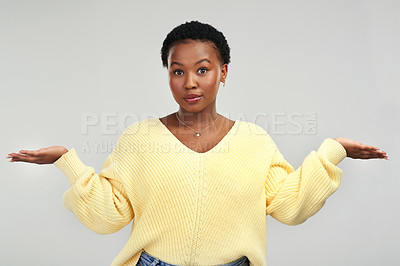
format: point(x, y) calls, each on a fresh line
point(358, 150)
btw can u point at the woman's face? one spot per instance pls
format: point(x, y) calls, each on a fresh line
point(194, 68)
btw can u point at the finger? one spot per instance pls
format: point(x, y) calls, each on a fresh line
point(369, 153)
point(370, 156)
point(12, 155)
point(379, 155)
point(21, 158)
point(382, 153)
point(375, 150)
point(369, 148)
point(33, 153)
point(384, 156)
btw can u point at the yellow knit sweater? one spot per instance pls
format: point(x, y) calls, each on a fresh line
point(191, 208)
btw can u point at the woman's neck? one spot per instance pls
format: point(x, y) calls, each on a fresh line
point(197, 119)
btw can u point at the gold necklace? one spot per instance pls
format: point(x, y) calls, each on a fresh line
point(197, 134)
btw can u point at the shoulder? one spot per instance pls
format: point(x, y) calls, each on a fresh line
point(137, 130)
point(250, 128)
point(257, 134)
point(140, 127)
point(135, 135)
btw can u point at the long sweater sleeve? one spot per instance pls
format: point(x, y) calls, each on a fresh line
point(292, 196)
point(99, 201)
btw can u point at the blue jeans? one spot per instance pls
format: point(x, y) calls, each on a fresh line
point(147, 260)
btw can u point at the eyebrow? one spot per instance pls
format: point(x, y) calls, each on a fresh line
point(198, 62)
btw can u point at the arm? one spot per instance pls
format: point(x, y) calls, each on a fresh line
point(99, 201)
point(292, 196)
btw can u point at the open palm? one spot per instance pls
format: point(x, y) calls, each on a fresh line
point(358, 150)
point(41, 156)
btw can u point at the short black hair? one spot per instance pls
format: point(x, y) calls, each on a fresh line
point(196, 30)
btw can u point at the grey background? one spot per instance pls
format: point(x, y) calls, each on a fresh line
point(60, 60)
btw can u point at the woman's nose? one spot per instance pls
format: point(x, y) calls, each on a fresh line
point(190, 81)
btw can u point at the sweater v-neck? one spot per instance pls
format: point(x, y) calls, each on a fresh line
point(175, 139)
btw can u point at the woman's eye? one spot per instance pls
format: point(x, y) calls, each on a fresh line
point(203, 70)
point(177, 72)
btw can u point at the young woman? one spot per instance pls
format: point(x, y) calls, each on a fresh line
point(197, 185)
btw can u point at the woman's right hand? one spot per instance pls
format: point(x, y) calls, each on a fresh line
point(42, 156)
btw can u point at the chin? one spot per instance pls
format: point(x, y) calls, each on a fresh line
point(192, 109)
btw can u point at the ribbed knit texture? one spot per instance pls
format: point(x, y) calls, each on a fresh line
point(191, 208)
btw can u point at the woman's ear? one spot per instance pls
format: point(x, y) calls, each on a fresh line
point(224, 72)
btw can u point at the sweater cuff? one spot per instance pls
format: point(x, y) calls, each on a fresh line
point(70, 164)
point(332, 150)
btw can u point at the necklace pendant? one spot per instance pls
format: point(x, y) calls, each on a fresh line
point(197, 135)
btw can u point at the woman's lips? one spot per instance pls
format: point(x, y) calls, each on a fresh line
point(193, 100)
